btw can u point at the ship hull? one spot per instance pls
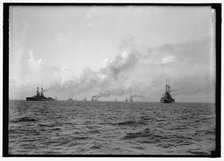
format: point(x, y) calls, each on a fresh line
point(167, 101)
point(39, 99)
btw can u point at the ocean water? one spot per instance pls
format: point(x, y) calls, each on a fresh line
point(75, 128)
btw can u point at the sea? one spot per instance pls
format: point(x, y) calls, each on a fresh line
point(110, 128)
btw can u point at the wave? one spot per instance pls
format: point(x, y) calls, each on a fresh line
point(139, 147)
point(81, 138)
point(132, 123)
point(145, 118)
point(95, 146)
point(59, 128)
point(161, 139)
point(144, 133)
point(127, 123)
point(55, 129)
point(48, 125)
point(23, 119)
point(198, 152)
point(94, 131)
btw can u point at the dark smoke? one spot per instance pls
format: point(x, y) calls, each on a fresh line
point(138, 96)
point(121, 64)
point(104, 94)
point(118, 77)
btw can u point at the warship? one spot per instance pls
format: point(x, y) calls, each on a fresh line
point(167, 98)
point(130, 99)
point(84, 99)
point(70, 99)
point(126, 99)
point(94, 99)
point(40, 96)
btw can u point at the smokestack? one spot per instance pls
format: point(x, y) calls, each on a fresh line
point(42, 89)
point(169, 89)
point(94, 98)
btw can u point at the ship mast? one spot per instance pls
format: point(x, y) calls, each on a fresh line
point(38, 93)
point(167, 87)
point(167, 98)
point(42, 89)
point(131, 97)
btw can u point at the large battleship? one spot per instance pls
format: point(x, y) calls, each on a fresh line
point(167, 98)
point(40, 96)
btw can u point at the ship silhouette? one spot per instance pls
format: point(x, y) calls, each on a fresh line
point(84, 99)
point(94, 99)
point(167, 98)
point(130, 99)
point(70, 99)
point(39, 96)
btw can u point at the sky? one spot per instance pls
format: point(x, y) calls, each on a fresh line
point(112, 52)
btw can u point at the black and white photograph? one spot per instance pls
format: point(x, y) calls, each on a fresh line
point(107, 80)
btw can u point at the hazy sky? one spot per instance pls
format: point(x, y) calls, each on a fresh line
point(112, 51)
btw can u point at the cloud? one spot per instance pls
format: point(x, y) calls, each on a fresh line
point(141, 72)
point(121, 64)
point(144, 74)
point(35, 64)
point(60, 38)
point(35, 71)
point(167, 59)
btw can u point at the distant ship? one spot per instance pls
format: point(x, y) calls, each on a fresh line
point(130, 99)
point(94, 99)
point(70, 99)
point(84, 99)
point(167, 98)
point(40, 96)
point(126, 100)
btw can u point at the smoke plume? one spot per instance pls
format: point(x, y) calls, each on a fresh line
point(144, 73)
